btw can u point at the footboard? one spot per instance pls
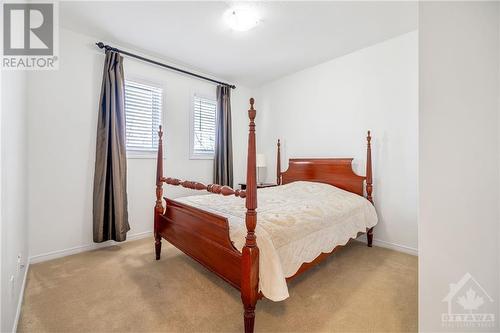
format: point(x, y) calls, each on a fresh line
point(204, 237)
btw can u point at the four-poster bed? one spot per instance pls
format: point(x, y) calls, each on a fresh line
point(202, 229)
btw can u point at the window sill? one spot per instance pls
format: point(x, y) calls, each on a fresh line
point(201, 157)
point(141, 155)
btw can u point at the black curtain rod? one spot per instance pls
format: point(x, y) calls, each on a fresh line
point(101, 45)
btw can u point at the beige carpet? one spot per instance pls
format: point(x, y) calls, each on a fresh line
point(123, 289)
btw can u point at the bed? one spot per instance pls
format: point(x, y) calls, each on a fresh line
point(318, 206)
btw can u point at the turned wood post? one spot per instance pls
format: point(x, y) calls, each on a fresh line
point(250, 252)
point(278, 164)
point(369, 182)
point(159, 194)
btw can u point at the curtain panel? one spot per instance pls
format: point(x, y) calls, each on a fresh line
point(110, 211)
point(223, 159)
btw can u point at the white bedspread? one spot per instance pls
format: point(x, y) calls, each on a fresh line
point(295, 223)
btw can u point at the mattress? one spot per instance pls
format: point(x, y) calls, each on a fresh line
point(296, 222)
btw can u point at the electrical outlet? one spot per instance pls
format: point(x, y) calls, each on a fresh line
point(19, 263)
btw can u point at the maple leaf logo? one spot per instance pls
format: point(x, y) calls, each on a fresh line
point(470, 301)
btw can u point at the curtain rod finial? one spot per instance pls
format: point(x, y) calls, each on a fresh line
point(100, 45)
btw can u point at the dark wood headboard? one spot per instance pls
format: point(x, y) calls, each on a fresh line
point(334, 171)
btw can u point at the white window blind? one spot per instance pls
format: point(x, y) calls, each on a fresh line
point(143, 109)
point(204, 126)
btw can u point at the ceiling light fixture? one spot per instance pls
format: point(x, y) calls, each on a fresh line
point(241, 18)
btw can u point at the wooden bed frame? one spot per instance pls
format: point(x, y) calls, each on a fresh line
point(204, 236)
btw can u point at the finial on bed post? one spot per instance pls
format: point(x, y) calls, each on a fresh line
point(369, 182)
point(159, 194)
point(278, 164)
point(250, 252)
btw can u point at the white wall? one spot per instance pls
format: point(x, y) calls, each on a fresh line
point(1, 212)
point(62, 128)
point(324, 111)
point(459, 160)
point(14, 232)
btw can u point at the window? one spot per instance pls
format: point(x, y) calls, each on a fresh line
point(203, 128)
point(143, 109)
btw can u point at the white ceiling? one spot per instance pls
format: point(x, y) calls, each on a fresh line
point(291, 35)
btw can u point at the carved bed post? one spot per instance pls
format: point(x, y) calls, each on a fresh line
point(278, 164)
point(159, 193)
point(250, 252)
point(369, 182)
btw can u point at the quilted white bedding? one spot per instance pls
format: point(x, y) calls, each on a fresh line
point(296, 222)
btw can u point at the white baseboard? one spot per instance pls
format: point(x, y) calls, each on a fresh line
point(21, 296)
point(392, 246)
point(83, 248)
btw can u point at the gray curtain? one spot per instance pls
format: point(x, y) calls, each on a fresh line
point(110, 211)
point(223, 160)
